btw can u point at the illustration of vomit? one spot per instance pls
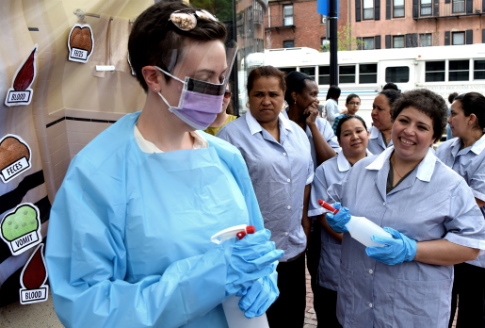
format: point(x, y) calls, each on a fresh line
point(25, 76)
point(11, 150)
point(22, 221)
point(34, 274)
point(81, 38)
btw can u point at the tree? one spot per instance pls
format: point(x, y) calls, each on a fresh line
point(345, 40)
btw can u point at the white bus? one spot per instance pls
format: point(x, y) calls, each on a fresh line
point(442, 69)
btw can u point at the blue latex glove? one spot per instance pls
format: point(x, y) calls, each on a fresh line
point(397, 250)
point(257, 298)
point(338, 221)
point(251, 258)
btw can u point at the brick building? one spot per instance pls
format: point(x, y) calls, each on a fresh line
point(297, 24)
point(417, 23)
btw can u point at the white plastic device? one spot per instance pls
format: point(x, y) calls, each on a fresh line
point(234, 316)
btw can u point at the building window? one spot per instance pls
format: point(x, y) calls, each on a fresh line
point(425, 40)
point(368, 9)
point(435, 71)
point(479, 70)
point(288, 44)
point(310, 71)
point(458, 38)
point(398, 41)
point(258, 13)
point(458, 6)
point(288, 15)
point(459, 70)
point(368, 73)
point(323, 74)
point(425, 7)
point(398, 8)
point(398, 74)
point(368, 43)
point(346, 74)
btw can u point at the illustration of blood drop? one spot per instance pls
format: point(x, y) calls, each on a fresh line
point(25, 76)
point(35, 273)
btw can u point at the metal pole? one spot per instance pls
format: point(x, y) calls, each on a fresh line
point(332, 17)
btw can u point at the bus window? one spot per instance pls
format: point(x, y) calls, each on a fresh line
point(286, 70)
point(310, 71)
point(459, 70)
point(324, 75)
point(479, 70)
point(435, 71)
point(397, 74)
point(346, 74)
point(368, 73)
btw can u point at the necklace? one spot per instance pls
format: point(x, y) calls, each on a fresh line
point(398, 174)
point(393, 161)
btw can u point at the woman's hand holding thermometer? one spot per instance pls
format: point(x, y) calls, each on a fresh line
point(360, 228)
point(338, 218)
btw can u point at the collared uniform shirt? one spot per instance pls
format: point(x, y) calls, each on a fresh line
point(470, 164)
point(279, 172)
point(327, 133)
point(432, 202)
point(376, 143)
point(326, 130)
point(332, 171)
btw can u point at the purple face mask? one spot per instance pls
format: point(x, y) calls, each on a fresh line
point(199, 103)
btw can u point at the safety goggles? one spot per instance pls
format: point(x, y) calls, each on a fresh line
point(188, 21)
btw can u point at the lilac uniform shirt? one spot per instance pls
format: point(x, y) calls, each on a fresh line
point(376, 143)
point(332, 171)
point(279, 172)
point(470, 164)
point(432, 202)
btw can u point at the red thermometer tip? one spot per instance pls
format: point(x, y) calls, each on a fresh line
point(327, 206)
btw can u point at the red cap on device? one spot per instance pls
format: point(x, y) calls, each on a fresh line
point(327, 206)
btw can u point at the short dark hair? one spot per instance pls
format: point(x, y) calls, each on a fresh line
point(473, 103)
point(333, 92)
point(345, 119)
point(153, 35)
point(349, 97)
point(390, 86)
point(427, 102)
point(295, 81)
point(452, 96)
point(266, 71)
point(391, 95)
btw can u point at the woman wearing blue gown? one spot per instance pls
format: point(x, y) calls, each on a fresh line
point(130, 232)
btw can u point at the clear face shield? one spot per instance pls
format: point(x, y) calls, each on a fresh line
point(206, 67)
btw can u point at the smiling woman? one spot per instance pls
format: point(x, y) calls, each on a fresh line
point(427, 208)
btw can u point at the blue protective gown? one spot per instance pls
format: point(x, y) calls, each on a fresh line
point(129, 236)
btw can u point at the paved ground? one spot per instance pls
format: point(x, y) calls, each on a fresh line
point(310, 316)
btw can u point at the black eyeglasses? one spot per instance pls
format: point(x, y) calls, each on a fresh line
point(188, 21)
